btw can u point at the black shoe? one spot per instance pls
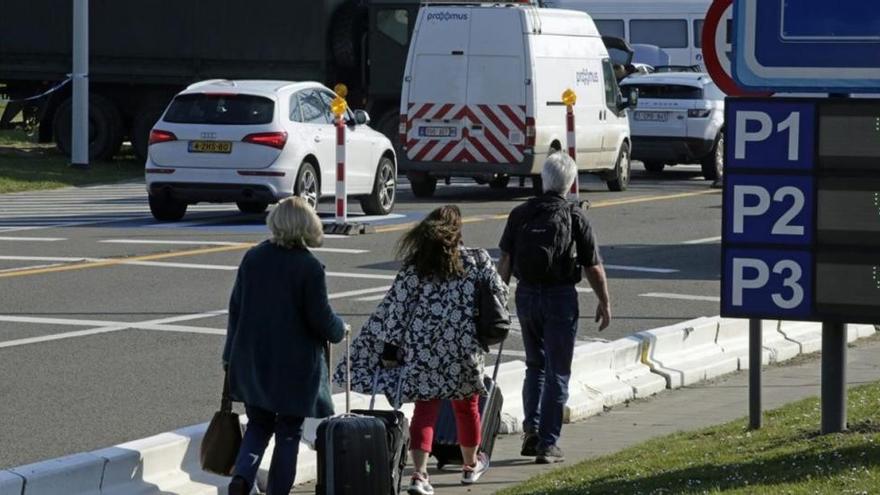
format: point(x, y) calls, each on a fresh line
point(238, 486)
point(549, 455)
point(530, 444)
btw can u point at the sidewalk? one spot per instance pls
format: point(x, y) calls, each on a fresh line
point(686, 409)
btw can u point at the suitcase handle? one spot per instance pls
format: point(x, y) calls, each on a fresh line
point(487, 406)
point(328, 353)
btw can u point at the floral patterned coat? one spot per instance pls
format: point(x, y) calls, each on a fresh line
point(434, 324)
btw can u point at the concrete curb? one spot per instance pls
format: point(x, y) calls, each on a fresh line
point(603, 374)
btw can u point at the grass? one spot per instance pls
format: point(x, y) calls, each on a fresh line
point(27, 166)
point(785, 457)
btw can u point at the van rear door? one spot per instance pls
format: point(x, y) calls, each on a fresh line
point(435, 106)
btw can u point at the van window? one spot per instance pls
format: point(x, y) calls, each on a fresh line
point(698, 33)
point(667, 91)
point(665, 33)
point(610, 27)
point(216, 109)
point(611, 90)
point(394, 24)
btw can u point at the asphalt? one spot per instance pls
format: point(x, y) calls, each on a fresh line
point(118, 384)
point(687, 409)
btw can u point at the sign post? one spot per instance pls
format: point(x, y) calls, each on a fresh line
point(79, 144)
point(569, 98)
point(338, 106)
point(756, 349)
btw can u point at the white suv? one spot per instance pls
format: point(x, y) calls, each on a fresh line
point(256, 142)
point(679, 119)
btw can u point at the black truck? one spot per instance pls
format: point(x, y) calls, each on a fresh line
point(144, 52)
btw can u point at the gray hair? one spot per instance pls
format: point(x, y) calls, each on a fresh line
point(294, 223)
point(558, 173)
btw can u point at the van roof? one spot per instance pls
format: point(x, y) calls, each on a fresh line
point(545, 20)
point(696, 79)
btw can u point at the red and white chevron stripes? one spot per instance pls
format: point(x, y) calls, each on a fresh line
point(484, 133)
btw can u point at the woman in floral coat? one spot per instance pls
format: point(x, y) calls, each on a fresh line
point(427, 323)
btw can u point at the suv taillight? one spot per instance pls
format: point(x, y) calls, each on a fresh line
point(159, 136)
point(272, 139)
point(530, 132)
point(699, 113)
point(401, 129)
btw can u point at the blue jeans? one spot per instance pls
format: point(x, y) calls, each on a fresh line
point(549, 319)
point(261, 426)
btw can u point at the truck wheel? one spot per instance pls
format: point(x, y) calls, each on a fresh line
point(654, 167)
point(105, 127)
point(165, 209)
point(713, 163)
point(143, 123)
point(423, 185)
point(619, 180)
point(381, 200)
point(499, 182)
point(251, 206)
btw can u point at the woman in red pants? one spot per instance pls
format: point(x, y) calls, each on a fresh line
point(429, 318)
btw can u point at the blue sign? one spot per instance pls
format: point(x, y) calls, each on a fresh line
point(807, 45)
point(765, 283)
point(769, 209)
point(775, 135)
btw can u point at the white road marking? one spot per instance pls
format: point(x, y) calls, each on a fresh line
point(370, 276)
point(359, 292)
point(61, 259)
point(684, 297)
point(169, 264)
point(30, 267)
point(513, 353)
point(581, 290)
point(34, 239)
point(59, 336)
point(377, 297)
point(220, 243)
point(707, 240)
point(644, 269)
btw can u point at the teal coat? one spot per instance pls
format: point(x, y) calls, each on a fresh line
point(279, 321)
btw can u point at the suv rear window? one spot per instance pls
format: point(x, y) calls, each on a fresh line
point(216, 109)
point(665, 91)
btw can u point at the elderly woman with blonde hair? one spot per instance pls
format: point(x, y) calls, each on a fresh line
point(279, 321)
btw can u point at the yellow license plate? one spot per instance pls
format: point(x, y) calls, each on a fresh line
point(210, 147)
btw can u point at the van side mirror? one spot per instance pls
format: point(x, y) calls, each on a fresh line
point(629, 102)
point(361, 117)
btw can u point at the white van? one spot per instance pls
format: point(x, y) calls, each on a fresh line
point(676, 26)
point(482, 95)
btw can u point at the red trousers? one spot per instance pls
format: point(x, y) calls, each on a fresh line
point(467, 422)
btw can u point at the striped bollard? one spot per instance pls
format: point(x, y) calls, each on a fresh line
point(341, 196)
point(338, 107)
point(570, 98)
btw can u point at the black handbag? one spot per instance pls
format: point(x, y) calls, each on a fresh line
point(222, 440)
point(493, 318)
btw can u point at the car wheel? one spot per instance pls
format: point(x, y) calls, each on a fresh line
point(307, 185)
point(654, 167)
point(423, 185)
point(251, 206)
point(381, 200)
point(713, 163)
point(620, 179)
point(499, 182)
point(166, 209)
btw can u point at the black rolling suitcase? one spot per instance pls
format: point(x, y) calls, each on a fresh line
point(353, 455)
point(445, 447)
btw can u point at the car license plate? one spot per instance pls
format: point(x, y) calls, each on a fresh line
point(438, 132)
point(652, 116)
point(210, 146)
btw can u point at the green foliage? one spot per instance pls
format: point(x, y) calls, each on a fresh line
point(787, 456)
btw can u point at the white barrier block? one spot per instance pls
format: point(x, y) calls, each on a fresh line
point(855, 332)
point(511, 376)
point(11, 483)
point(781, 349)
point(627, 365)
point(733, 337)
point(165, 463)
point(591, 370)
point(687, 353)
point(78, 474)
point(808, 335)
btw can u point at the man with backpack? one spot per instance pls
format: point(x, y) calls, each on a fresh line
point(547, 245)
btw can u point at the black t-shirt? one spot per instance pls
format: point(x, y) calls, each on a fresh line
point(585, 241)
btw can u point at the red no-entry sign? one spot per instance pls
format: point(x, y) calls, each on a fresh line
point(716, 44)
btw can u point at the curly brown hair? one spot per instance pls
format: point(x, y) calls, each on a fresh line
point(432, 246)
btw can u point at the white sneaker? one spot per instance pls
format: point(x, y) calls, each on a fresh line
point(470, 474)
point(419, 485)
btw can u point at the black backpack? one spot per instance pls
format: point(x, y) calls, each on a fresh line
point(545, 252)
